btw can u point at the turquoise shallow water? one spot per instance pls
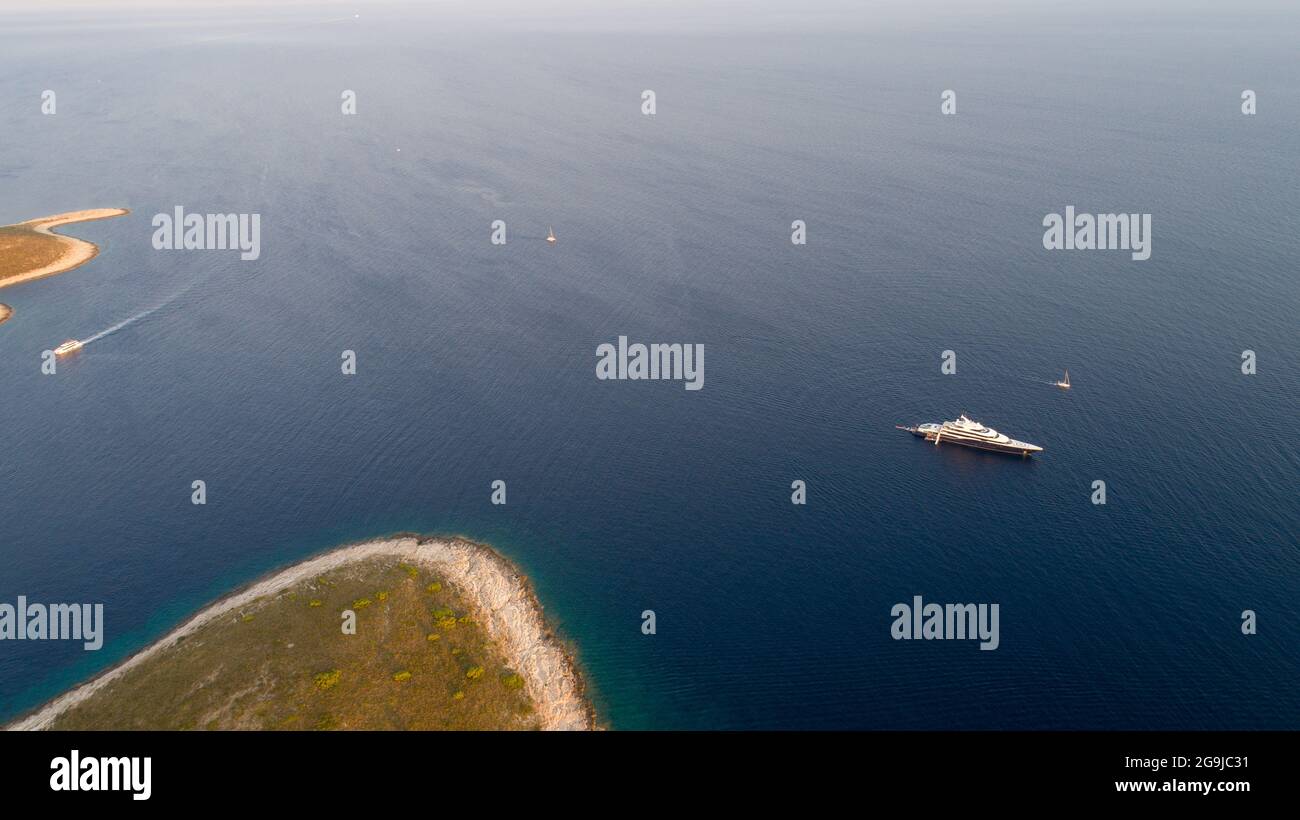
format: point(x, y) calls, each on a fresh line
point(477, 362)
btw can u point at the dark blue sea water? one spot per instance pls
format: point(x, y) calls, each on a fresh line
point(477, 362)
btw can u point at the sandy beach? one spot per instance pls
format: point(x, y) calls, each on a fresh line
point(5, 313)
point(71, 253)
point(502, 597)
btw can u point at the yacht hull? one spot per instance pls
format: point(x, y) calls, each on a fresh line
point(989, 448)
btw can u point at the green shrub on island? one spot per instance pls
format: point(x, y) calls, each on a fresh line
point(327, 680)
point(474, 673)
point(401, 676)
point(314, 602)
point(512, 681)
point(434, 587)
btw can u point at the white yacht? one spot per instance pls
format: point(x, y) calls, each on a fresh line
point(969, 433)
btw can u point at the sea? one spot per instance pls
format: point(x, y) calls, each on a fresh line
point(1173, 605)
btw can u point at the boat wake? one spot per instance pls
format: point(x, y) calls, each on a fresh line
point(137, 317)
point(1031, 379)
point(115, 328)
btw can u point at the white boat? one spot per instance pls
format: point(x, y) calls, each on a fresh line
point(1064, 384)
point(67, 348)
point(550, 235)
point(969, 433)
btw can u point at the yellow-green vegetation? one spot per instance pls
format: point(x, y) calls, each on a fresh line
point(326, 680)
point(292, 667)
point(23, 249)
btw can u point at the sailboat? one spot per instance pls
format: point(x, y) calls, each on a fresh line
point(550, 234)
point(1064, 384)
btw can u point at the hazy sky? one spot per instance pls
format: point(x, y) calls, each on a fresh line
point(709, 15)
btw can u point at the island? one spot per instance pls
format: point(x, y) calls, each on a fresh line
point(448, 635)
point(5, 313)
point(31, 250)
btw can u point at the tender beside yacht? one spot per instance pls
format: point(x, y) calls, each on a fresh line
point(969, 433)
